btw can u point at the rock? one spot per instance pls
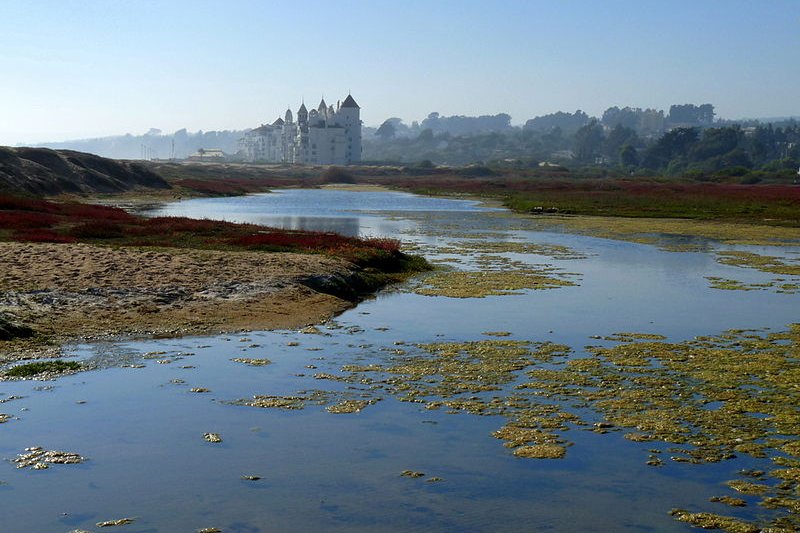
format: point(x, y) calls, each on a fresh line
point(11, 329)
point(212, 437)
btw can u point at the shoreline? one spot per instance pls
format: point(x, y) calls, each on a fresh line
point(72, 292)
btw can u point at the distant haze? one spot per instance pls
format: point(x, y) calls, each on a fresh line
point(96, 68)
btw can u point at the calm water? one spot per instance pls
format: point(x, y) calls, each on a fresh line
point(142, 431)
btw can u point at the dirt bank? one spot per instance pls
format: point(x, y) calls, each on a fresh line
point(69, 291)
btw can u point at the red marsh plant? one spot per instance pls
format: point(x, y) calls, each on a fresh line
point(23, 219)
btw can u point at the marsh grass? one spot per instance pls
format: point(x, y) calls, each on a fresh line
point(41, 367)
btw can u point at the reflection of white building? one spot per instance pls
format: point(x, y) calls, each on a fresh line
point(323, 136)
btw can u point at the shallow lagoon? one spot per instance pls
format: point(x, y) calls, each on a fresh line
point(142, 431)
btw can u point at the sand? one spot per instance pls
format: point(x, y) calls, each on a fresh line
point(71, 291)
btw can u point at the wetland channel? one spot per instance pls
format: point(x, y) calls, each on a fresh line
point(540, 380)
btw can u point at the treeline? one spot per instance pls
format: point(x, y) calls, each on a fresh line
point(704, 153)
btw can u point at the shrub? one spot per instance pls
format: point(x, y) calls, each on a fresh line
point(100, 229)
point(26, 219)
point(337, 175)
point(42, 235)
point(34, 369)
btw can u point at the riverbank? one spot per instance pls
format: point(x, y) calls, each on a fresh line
point(76, 271)
point(67, 292)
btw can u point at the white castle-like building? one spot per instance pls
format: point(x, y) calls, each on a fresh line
point(323, 136)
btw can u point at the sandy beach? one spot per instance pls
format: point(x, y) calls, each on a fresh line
point(72, 291)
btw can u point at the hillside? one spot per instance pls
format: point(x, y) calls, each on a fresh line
point(42, 171)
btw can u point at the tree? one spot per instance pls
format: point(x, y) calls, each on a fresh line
point(386, 130)
point(628, 157)
point(617, 138)
point(588, 141)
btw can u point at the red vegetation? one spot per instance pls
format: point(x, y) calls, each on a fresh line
point(31, 220)
point(41, 235)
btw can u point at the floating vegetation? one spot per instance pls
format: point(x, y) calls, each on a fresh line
point(199, 389)
point(628, 337)
point(348, 406)
point(776, 286)
point(479, 284)
point(251, 478)
point(726, 284)
point(662, 231)
point(43, 369)
point(4, 418)
point(274, 402)
point(37, 458)
point(412, 473)
point(209, 530)
point(728, 500)
point(212, 437)
point(541, 451)
point(713, 521)
point(251, 361)
point(554, 251)
point(713, 397)
point(497, 333)
point(117, 522)
point(764, 263)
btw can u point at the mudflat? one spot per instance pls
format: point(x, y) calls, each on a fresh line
point(69, 291)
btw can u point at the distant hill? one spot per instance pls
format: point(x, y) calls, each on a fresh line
point(43, 171)
point(153, 145)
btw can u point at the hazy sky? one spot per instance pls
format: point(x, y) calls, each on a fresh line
point(72, 69)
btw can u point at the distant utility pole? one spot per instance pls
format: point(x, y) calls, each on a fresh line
point(147, 153)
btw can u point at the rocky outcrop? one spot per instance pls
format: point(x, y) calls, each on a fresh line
point(11, 329)
point(46, 172)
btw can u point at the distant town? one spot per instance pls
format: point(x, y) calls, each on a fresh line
point(688, 138)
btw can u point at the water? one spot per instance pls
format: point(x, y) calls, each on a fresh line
point(141, 429)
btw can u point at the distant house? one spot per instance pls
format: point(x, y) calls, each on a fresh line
point(210, 155)
point(322, 136)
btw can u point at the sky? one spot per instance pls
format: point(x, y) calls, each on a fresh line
point(73, 69)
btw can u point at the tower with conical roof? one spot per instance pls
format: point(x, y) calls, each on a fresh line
point(349, 117)
point(302, 115)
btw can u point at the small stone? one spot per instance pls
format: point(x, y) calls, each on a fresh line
point(212, 437)
point(118, 522)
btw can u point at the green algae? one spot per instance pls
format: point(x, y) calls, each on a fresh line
point(728, 500)
point(726, 284)
point(274, 402)
point(348, 406)
point(479, 284)
point(252, 361)
point(710, 399)
point(714, 521)
point(43, 368)
point(763, 263)
point(541, 451)
point(715, 397)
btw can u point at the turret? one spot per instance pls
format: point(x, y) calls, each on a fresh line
point(288, 119)
point(302, 114)
point(349, 117)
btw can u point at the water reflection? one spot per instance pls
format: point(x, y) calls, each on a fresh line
point(347, 226)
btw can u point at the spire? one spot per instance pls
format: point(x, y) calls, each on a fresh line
point(322, 106)
point(350, 102)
